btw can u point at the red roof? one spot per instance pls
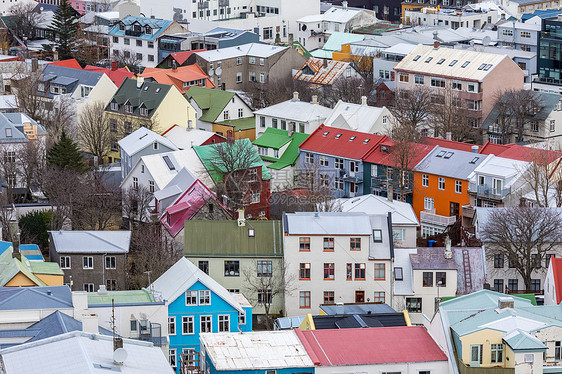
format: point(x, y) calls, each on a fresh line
point(179, 76)
point(380, 157)
point(117, 75)
point(447, 144)
point(529, 154)
point(378, 345)
point(343, 143)
point(557, 273)
point(180, 57)
point(70, 63)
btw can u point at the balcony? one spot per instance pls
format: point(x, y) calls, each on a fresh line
point(468, 211)
point(483, 190)
point(132, 32)
point(350, 176)
point(203, 5)
point(150, 332)
point(429, 217)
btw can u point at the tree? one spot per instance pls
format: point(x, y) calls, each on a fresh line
point(94, 133)
point(33, 227)
point(523, 236)
point(127, 58)
point(261, 95)
point(7, 214)
point(135, 205)
point(65, 154)
point(31, 161)
point(543, 176)
point(272, 283)
point(346, 89)
point(63, 188)
point(98, 205)
point(25, 20)
point(63, 29)
point(412, 108)
point(449, 116)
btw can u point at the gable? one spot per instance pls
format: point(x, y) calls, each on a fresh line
point(217, 303)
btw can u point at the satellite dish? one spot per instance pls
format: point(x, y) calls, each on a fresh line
point(486, 40)
point(211, 72)
point(219, 71)
point(401, 26)
point(120, 355)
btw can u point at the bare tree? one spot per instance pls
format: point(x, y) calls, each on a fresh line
point(99, 204)
point(262, 95)
point(135, 204)
point(25, 20)
point(346, 89)
point(7, 216)
point(127, 58)
point(63, 188)
point(449, 116)
point(269, 283)
point(412, 108)
point(94, 133)
point(31, 161)
point(543, 176)
point(523, 235)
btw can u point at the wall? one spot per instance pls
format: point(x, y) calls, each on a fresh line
point(20, 280)
point(430, 294)
point(127, 163)
point(485, 337)
point(403, 368)
point(23, 318)
point(51, 280)
point(441, 198)
point(308, 127)
point(174, 110)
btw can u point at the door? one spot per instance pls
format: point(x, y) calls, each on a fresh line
point(359, 296)
point(476, 355)
point(455, 209)
point(352, 168)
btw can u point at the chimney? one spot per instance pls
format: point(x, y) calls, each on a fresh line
point(448, 251)
point(80, 302)
point(295, 96)
point(435, 36)
point(34, 64)
point(90, 323)
point(113, 65)
point(474, 149)
point(325, 63)
point(389, 190)
point(363, 100)
point(241, 218)
point(102, 290)
point(436, 44)
point(505, 302)
point(344, 4)
point(117, 343)
point(314, 99)
point(449, 135)
point(140, 81)
point(174, 65)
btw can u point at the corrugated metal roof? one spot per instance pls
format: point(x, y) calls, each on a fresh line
point(296, 110)
point(324, 75)
point(250, 49)
point(328, 223)
point(450, 163)
point(55, 297)
point(356, 117)
point(91, 241)
point(142, 138)
point(120, 297)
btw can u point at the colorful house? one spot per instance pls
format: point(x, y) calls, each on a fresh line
point(178, 59)
point(197, 304)
point(28, 270)
point(183, 77)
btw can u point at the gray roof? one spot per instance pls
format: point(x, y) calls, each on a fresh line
point(70, 77)
point(327, 223)
point(356, 309)
point(142, 138)
point(55, 297)
point(450, 163)
point(6, 128)
point(91, 241)
point(296, 110)
point(59, 323)
point(402, 260)
point(402, 212)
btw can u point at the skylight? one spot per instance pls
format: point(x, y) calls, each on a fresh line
point(158, 90)
point(487, 67)
point(465, 64)
point(366, 140)
point(441, 154)
point(440, 61)
point(474, 160)
point(169, 162)
point(428, 59)
point(326, 133)
point(453, 62)
point(352, 138)
point(338, 136)
point(448, 155)
point(146, 88)
point(417, 58)
point(481, 66)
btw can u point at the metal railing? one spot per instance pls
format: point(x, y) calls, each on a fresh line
point(436, 219)
point(485, 190)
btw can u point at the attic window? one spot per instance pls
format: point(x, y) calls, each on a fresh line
point(417, 58)
point(366, 140)
point(428, 59)
point(481, 66)
point(448, 155)
point(146, 88)
point(8, 132)
point(487, 67)
point(398, 274)
point(326, 133)
point(169, 163)
point(352, 138)
point(441, 154)
point(453, 62)
point(474, 160)
point(338, 136)
point(251, 232)
point(465, 64)
point(384, 148)
point(440, 61)
point(158, 90)
point(155, 146)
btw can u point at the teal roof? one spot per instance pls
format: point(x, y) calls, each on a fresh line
point(337, 39)
point(482, 299)
point(240, 123)
point(321, 53)
point(277, 138)
point(121, 297)
point(521, 341)
point(211, 101)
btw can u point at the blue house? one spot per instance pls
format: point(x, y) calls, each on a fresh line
point(197, 304)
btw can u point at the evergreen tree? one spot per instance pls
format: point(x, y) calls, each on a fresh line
point(65, 154)
point(63, 29)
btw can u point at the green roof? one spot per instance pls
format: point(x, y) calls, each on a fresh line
point(301, 49)
point(277, 138)
point(211, 101)
point(519, 340)
point(50, 268)
point(225, 238)
point(10, 267)
point(529, 296)
point(240, 123)
point(207, 155)
point(121, 297)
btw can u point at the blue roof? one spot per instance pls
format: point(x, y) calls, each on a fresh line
point(4, 246)
point(55, 297)
point(225, 33)
point(69, 77)
point(9, 132)
point(544, 14)
point(155, 23)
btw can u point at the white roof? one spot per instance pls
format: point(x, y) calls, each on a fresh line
point(354, 117)
point(333, 223)
point(473, 70)
point(8, 102)
point(402, 260)
point(334, 14)
point(520, 26)
point(184, 138)
point(85, 353)
point(296, 110)
point(142, 138)
point(184, 274)
point(91, 241)
point(400, 49)
point(500, 167)
point(260, 350)
point(250, 49)
point(402, 212)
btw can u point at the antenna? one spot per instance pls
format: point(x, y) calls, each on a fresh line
point(149, 284)
point(112, 321)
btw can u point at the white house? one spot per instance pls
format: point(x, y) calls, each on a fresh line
point(360, 117)
point(185, 137)
point(337, 257)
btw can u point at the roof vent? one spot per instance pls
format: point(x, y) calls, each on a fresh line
point(474, 149)
point(506, 302)
point(102, 290)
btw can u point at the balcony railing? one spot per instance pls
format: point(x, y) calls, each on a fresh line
point(436, 219)
point(132, 32)
point(151, 332)
point(349, 176)
point(468, 211)
point(485, 190)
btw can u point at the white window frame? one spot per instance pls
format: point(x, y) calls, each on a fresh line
point(172, 322)
point(110, 265)
point(425, 180)
point(242, 318)
point(458, 186)
point(204, 294)
point(192, 295)
point(90, 265)
point(224, 319)
point(173, 358)
point(67, 262)
point(428, 203)
point(208, 319)
point(185, 322)
point(323, 161)
point(441, 184)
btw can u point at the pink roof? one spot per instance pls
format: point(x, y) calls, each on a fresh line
point(377, 156)
point(460, 146)
point(180, 57)
point(377, 345)
point(557, 272)
point(117, 75)
point(70, 63)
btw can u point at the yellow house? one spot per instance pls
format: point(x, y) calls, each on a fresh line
point(153, 105)
point(241, 128)
point(18, 271)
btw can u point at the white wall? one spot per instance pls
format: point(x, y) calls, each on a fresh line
point(429, 294)
point(434, 367)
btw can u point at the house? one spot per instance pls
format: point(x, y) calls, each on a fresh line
point(334, 254)
point(233, 67)
point(181, 58)
point(138, 37)
point(91, 258)
point(153, 105)
point(423, 277)
point(404, 220)
point(383, 316)
point(334, 157)
point(383, 10)
point(117, 75)
point(185, 138)
point(360, 117)
point(291, 115)
point(467, 16)
point(402, 349)
point(280, 152)
point(322, 72)
point(410, 4)
point(274, 351)
point(252, 186)
point(314, 30)
point(552, 283)
point(334, 44)
point(248, 249)
point(197, 304)
point(82, 352)
point(183, 77)
point(519, 35)
point(548, 79)
point(223, 112)
point(475, 77)
point(441, 187)
point(18, 271)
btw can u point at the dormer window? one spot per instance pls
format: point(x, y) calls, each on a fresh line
point(114, 106)
point(128, 108)
point(121, 27)
point(143, 112)
point(8, 132)
point(148, 30)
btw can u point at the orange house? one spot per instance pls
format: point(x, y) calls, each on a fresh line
point(441, 187)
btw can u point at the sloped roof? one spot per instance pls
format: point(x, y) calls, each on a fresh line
point(142, 138)
point(402, 212)
point(556, 264)
point(277, 138)
point(78, 241)
point(184, 274)
point(17, 135)
point(70, 63)
point(160, 25)
point(522, 153)
point(450, 163)
point(178, 76)
point(141, 296)
point(521, 340)
point(296, 110)
point(58, 323)
point(387, 157)
point(48, 297)
point(354, 321)
point(364, 308)
point(149, 94)
point(117, 76)
point(88, 78)
point(404, 287)
point(324, 75)
point(249, 49)
point(356, 116)
point(182, 56)
point(31, 252)
point(185, 138)
point(323, 223)
point(212, 102)
point(10, 267)
point(451, 144)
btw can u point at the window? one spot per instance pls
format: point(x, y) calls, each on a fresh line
point(377, 236)
point(525, 34)
point(190, 297)
point(239, 77)
point(304, 271)
point(428, 203)
point(87, 262)
point(536, 260)
point(414, 304)
point(171, 325)
point(513, 284)
point(497, 353)
point(465, 64)
point(206, 324)
point(359, 271)
point(110, 262)
point(204, 266)
point(558, 350)
point(328, 244)
point(238, 60)
point(398, 274)
point(304, 244)
point(240, 112)
point(379, 297)
point(329, 271)
point(204, 297)
point(349, 272)
point(150, 45)
point(441, 184)
point(232, 268)
point(535, 284)
point(139, 56)
point(255, 197)
point(457, 85)
point(329, 297)
point(265, 268)
point(323, 161)
point(262, 61)
point(458, 186)
point(380, 271)
point(143, 112)
point(127, 41)
point(399, 234)
point(427, 279)
point(308, 158)
point(252, 60)
point(338, 184)
point(111, 284)
point(419, 79)
point(139, 43)
point(151, 186)
point(338, 163)
point(507, 32)
point(441, 279)
point(262, 78)
point(242, 318)
point(473, 104)
point(416, 58)
point(224, 323)
point(264, 297)
point(403, 77)
point(115, 39)
point(304, 299)
point(425, 180)
point(226, 115)
point(437, 82)
point(355, 244)
point(172, 357)
point(498, 285)
point(498, 261)
point(88, 287)
point(453, 62)
point(65, 262)
point(552, 125)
